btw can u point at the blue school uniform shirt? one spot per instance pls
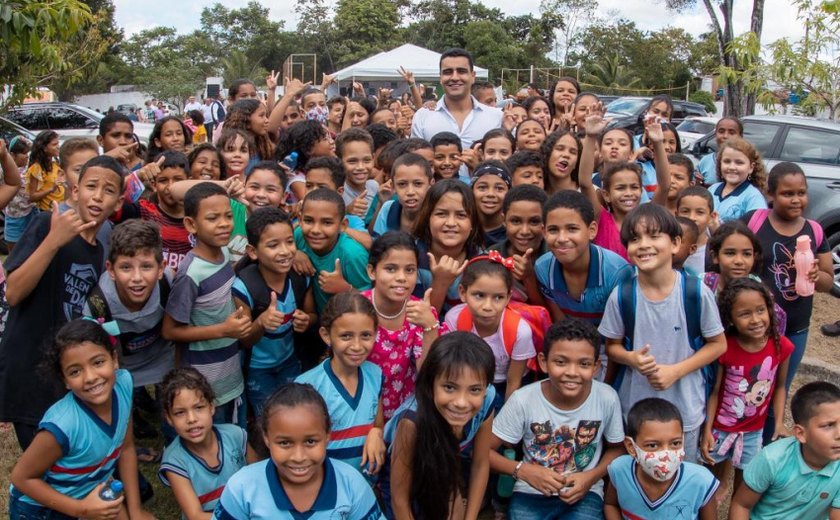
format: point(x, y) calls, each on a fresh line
point(606, 269)
point(692, 488)
point(255, 492)
point(207, 482)
point(388, 218)
point(354, 259)
point(708, 168)
point(89, 447)
point(649, 181)
point(278, 345)
point(352, 417)
point(738, 202)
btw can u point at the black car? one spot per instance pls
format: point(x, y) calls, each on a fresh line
point(626, 111)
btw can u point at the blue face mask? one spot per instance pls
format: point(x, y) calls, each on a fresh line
point(317, 113)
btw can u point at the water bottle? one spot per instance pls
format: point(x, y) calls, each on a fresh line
point(506, 482)
point(290, 161)
point(111, 491)
point(804, 261)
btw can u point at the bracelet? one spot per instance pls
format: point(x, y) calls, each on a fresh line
point(433, 327)
point(515, 473)
point(412, 84)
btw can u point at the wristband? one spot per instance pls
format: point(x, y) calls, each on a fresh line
point(515, 473)
point(433, 327)
point(412, 84)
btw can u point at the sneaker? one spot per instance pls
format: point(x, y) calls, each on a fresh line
point(831, 330)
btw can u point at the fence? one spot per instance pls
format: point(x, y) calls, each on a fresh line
point(514, 79)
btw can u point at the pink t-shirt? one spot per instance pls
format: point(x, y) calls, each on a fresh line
point(523, 347)
point(609, 235)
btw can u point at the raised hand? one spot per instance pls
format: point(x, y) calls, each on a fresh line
point(567, 116)
point(271, 80)
point(64, 227)
point(358, 88)
point(237, 325)
point(123, 153)
point(595, 122)
point(508, 118)
point(3, 149)
point(471, 156)
point(522, 265)
point(419, 312)
point(271, 318)
point(294, 86)
point(447, 268)
point(653, 127)
point(327, 80)
point(407, 75)
point(235, 189)
point(359, 206)
point(333, 282)
point(150, 171)
point(386, 190)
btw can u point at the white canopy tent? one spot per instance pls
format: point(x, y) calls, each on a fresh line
point(384, 67)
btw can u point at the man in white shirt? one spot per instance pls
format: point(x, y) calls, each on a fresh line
point(191, 105)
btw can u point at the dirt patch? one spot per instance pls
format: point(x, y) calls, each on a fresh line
point(826, 310)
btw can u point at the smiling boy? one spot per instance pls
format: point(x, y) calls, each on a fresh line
point(412, 178)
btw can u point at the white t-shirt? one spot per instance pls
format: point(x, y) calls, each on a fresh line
point(523, 347)
point(568, 441)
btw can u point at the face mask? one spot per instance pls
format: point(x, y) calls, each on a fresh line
point(317, 113)
point(659, 465)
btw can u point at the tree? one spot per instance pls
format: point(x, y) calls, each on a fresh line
point(36, 49)
point(364, 27)
point(576, 16)
point(237, 65)
point(610, 76)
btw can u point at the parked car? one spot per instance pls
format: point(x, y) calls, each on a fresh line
point(693, 128)
point(67, 119)
point(812, 144)
point(606, 99)
point(625, 112)
point(10, 130)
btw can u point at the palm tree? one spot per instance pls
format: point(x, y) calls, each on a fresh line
point(237, 65)
point(612, 77)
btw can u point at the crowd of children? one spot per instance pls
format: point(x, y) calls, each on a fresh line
point(339, 318)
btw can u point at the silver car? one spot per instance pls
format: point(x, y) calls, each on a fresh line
point(66, 119)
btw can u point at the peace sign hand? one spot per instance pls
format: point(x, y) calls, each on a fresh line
point(271, 80)
point(407, 75)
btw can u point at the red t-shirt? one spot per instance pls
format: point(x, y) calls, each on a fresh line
point(609, 235)
point(746, 391)
point(177, 242)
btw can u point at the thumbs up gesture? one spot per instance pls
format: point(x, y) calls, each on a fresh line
point(419, 312)
point(237, 325)
point(271, 318)
point(359, 206)
point(644, 362)
point(333, 282)
point(300, 321)
point(66, 226)
point(522, 265)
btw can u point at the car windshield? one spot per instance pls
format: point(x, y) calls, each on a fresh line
point(696, 127)
point(626, 106)
point(88, 112)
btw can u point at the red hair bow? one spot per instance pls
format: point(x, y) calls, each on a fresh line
point(495, 256)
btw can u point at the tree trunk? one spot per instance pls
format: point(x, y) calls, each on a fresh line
point(756, 25)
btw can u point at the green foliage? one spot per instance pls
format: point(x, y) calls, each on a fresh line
point(364, 28)
point(611, 77)
point(704, 98)
point(237, 65)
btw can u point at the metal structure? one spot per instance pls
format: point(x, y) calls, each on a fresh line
point(303, 67)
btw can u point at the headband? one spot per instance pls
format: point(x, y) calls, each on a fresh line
point(111, 328)
point(494, 256)
point(491, 169)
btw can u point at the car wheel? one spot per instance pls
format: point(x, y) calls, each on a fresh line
point(834, 244)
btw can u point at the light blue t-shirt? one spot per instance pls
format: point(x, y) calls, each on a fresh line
point(691, 489)
point(388, 218)
point(708, 168)
point(207, 482)
point(649, 181)
point(738, 202)
point(789, 488)
point(255, 492)
point(354, 260)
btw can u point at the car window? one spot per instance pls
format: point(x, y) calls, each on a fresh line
point(7, 131)
point(695, 127)
point(66, 119)
point(29, 118)
point(679, 112)
point(761, 135)
point(810, 146)
point(626, 106)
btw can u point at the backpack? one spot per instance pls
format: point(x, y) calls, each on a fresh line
point(692, 305)
point(536, 318)
point(760, 215)
point(218, 111)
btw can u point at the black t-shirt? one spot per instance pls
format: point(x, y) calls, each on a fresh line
point(779, 271)
point(26, 392)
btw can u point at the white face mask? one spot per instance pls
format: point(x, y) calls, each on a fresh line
point(660, 465)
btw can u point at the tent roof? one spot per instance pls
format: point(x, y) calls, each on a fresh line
point(425, 65)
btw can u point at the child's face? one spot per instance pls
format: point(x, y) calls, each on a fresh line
point(171, 137)
point(357, 158)
point(320, 178)
point(258, 122)
point(53, 148)
point(530, 136)
point(351, 337)
point(426, 153)
point(74, 166)
point(540, 112)
point(246, 91)
point(518, 114)
point(325, 147)
point(736, 256)
point(290, 117)
point(135, 277)
point(297, 441)
point(89, 371)
point(660, 109)
point(680, 180)
point(698, 210)
point(21, 159)
point(568, 235)
point(497, 149)
point(570, 365)
point(385, 117)
point(750, 315)
point(486, 297)
point(315, 99)
point(163, 181)
point(206, 166)
point(447, 161)
point(564, 93)
point(616, 146)
point(651, 250)
point(120, 134)
point(486, 96)
point(395, 275)
point(236, 155)
point(358, 115)
point(489, 191)
point(725, 129)
point(656, 436)
point(563, 157)
point(791, 197)
point(531, 174)
point(411, 185)
point(582, 109)
point(276, 248)
point(321, 225)
point(191, 415)
point(336, 114)
point(524, 226)
point(449, 223)
point(213, 223)
point(459, 395)
point(624, 192)
point(820, 436)
point(687, 247)
point(263, 189)
point(735, 166)
point(669, 140)
point(98, 194)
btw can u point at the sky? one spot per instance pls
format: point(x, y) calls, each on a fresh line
point(779, 16)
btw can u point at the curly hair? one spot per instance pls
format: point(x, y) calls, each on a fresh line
point(301, 137)
point(186, 378)
point(239, 117)
point(758, 177)
point(726, 301)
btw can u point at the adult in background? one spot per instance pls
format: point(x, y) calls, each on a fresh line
point(191, 105)
point(207, 112)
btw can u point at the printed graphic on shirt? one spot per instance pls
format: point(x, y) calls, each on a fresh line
point(746, 391)
point(78, 282)
point(783, 271)
point(564, 449)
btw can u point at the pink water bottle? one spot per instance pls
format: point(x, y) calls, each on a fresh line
point(804, 261)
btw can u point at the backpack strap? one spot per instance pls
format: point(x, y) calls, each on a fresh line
point(510, 328)
point(693, 305)
point(627, 309)
point(99, 304)
point(819, 233)
point(465, 320)
point(300, 284)
point(165, 287)
point(757, 219)
point(257, 288)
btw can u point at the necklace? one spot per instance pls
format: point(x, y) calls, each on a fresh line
point(382, 315)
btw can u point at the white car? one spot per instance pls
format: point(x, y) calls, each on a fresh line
point(67, 120)
point(693, 128)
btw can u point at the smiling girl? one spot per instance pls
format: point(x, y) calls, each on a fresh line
point(743, 177)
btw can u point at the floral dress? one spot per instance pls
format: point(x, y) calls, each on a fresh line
point(396, 352)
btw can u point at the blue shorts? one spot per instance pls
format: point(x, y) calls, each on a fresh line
point(15, 226)
point(741, 448)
